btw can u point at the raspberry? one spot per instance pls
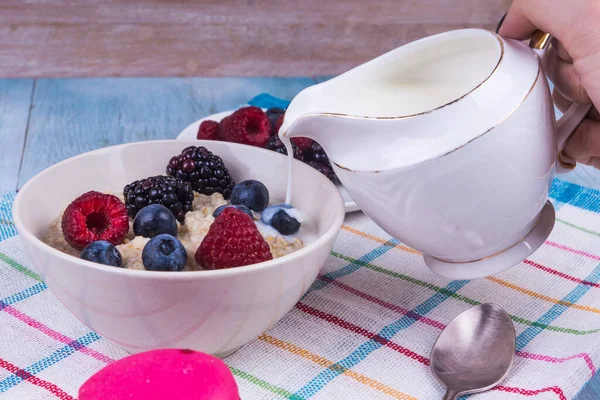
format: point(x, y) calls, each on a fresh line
point(303, 143)
point(233, 240)
point(248, 125)
point(95, 216)
point(209, 130)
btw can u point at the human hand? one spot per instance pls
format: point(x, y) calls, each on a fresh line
point(572, 63)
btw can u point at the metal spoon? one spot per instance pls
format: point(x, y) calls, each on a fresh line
point(475, 351)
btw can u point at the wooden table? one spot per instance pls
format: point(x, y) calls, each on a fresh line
point(44, 121)
point(47, 120)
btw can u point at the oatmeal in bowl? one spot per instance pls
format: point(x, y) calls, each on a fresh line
point(165, 222)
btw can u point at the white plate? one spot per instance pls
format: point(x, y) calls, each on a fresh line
point(191, 131)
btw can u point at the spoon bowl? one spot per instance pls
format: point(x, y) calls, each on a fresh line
point(475, 351)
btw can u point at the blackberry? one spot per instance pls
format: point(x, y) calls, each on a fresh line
point(205, 171)
point(316, 153)
point(325, 169)
point(273, 114)
point(175, 194)
point(276, 145)
point(298, 154)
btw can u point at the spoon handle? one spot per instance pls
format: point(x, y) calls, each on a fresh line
point(450, 395)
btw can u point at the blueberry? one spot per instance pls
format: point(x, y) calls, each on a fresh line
point(220, 209)
point(252, 194)
point(164, 253)
point(284, 223)
point(269, 212)
point(153, 220)
point(102, 252)
point(273, 114)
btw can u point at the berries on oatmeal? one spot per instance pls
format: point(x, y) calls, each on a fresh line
point(205, 171)
point(208, 130)
point(164, 253)
point(252, 194)
point(248, 125)
point(153, 220)
point(198, 223)
point(233, 240)
point(175, 194)
point(220, 209)
point(95, 216)
point(102, 252)
point(218, 221)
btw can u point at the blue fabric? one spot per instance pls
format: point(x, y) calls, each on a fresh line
point(265, 100)
point(7, 226)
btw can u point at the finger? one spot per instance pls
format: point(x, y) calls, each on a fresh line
point(559, 100)
point(563, 105)
point(584, 144)
point(516, 25)
point(561, 51)
point(595, 162)
point(594, 115)
point(566, 80)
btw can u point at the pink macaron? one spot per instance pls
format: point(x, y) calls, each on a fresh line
point(163, 374)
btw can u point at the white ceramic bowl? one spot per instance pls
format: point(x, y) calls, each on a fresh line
point(211, 311)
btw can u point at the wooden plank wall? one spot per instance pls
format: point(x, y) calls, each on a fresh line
point(80, 38)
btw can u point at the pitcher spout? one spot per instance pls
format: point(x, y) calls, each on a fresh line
point(314, 114)
point(353, 143)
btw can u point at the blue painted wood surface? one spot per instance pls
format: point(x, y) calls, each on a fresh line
point(15, 99)
point(71, 116)
point(591, 391)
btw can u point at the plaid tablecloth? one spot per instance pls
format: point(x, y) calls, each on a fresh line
point(365, 328)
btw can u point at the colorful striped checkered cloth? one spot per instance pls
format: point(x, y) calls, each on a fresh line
point(365, 328)
point(363, 331)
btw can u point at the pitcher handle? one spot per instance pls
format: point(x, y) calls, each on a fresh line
point(571, 119)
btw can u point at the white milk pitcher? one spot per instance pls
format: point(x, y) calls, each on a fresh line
point(449, 143)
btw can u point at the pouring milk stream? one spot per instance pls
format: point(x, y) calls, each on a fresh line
point(449, 143)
